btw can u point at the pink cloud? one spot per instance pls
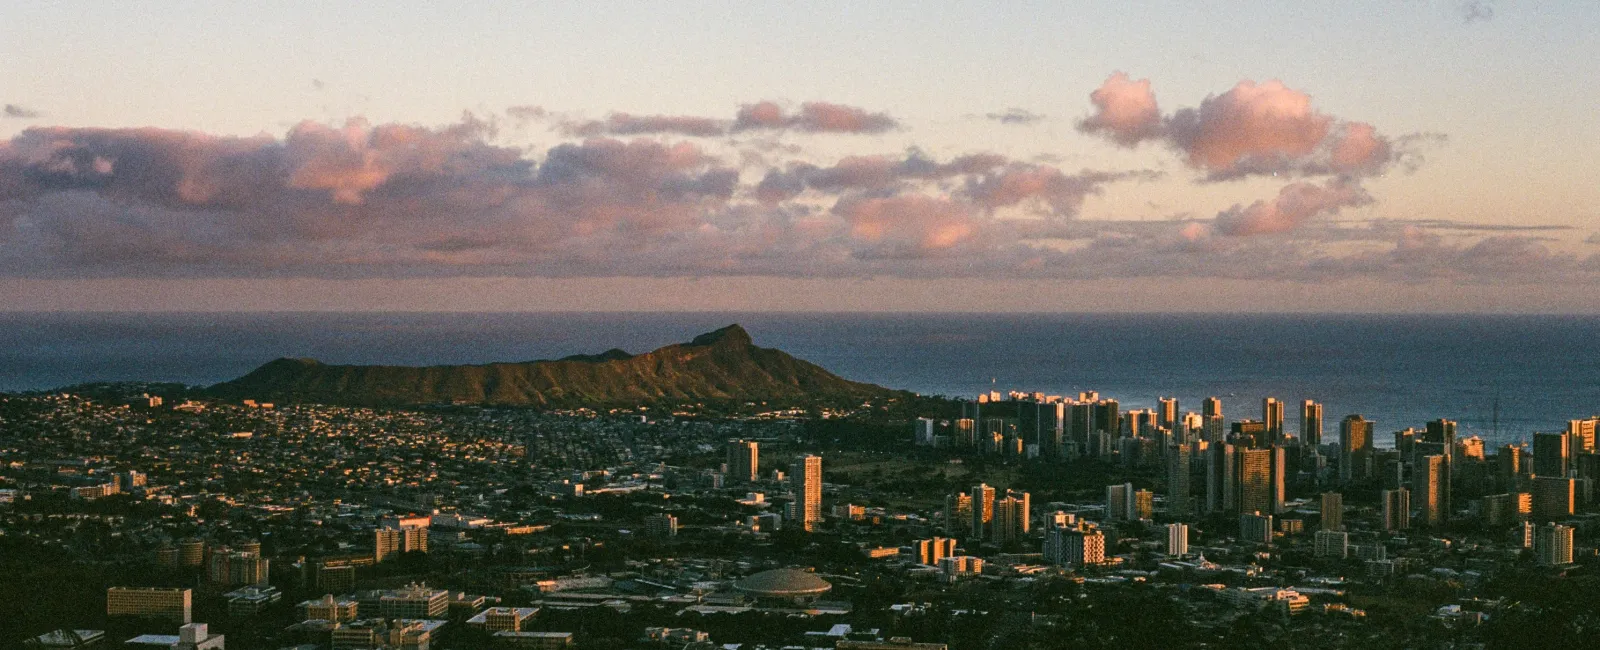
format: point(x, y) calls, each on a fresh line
point(627, 124)
point(1125, 110)
point(1294, 205)
point(908, 225)
point(1250, 121)
point(813, 117)
point(1252, 129)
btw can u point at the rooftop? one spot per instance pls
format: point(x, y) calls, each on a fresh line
point(783, 583)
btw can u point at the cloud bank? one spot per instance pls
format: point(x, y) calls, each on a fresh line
point(656, 196)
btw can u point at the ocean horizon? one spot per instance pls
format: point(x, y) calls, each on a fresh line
point(1499, 376)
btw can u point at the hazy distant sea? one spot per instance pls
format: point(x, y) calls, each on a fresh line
point(1398, 370)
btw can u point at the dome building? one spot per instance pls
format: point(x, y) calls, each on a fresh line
point(784, 585)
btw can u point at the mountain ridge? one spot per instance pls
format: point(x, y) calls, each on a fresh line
point(724, 364)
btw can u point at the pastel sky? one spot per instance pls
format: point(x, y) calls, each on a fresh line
point(1419, 155)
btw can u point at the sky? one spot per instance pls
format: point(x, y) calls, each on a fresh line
point(1395, 156)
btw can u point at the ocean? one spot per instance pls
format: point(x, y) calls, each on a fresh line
point(1400, 370)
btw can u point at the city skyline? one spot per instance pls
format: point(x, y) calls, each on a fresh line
point(1345, 161)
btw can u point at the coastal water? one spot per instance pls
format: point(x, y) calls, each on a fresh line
point(1398, 370)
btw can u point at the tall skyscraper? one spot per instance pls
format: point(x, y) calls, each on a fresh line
point(958, 514)
point(1272, 415)
point(1552, 545)
point(1144, 504)
point(930, 551)
point(1076, 546)
point(1552, 454)
point(1554, 497)
point(1332, 511)
point(1510, 459)
point(1167, 412)
point(1212, 407)
point(982, 512)
point(1311, 423)
point(1430, 482)
point(403, 538)
point(1255, 527)
point(744, 458)
point(1177, 540)
point(1396, 509)
point(1253, 480)
point(807, 477)
point(1192, 428)
point(1179, 496)
point(1355, 448)
point(1332, 543)
point(1119, 502)
point(1582, 433)
point(1108, 417)
point(1442, 432)
point(1280, 494)
point(1011, 520)
point(1220, 496)
point(1140, 423)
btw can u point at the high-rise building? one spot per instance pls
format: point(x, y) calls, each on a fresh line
point(1272, 416)
point(1441, 432)
point(1179, 496)
point(1430, 485)
point(1107, 417)
point(966, 433)
point(807, 476)
point(1190, 429)
point(930, 551)
point(1496, 510)
point(1582, 433)
point(1011, 519)
point(1119, 502)
point(1332, 511)
point(1255, 527)
point(1552, 545)
point(1332, 543)
point(1280, 493)
point(1249, 433)
point(1144, 505)
point(1554, 497)
point(151, 602)
point(1177, 540)
point(958, 514)
point(1511, 466)
point(744, 459)
point(1139, 423)
point(1212, 407)
point(191, 553)
point(1396, 509)
point(1220, 494)
point(982, 513)
point(1310, 423)
point(1167, 412)
point(390, 540)
point(1080, 545)
point(1355, 448)
point(661, 526)
point(1253, 480)
point(1552, 454)
point(228, 567)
